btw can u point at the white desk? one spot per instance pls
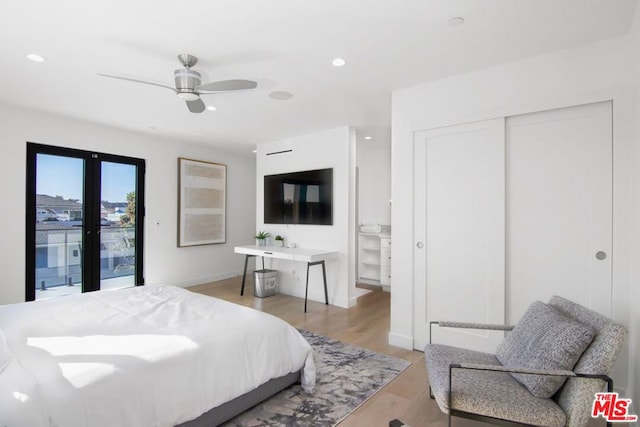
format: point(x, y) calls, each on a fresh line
point(310, 256)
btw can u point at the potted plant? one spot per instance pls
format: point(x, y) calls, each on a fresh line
point(279, 240)
point(261, 238)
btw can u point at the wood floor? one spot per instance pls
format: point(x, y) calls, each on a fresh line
point(366, 325)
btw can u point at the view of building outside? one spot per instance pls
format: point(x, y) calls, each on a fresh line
point(59, 227)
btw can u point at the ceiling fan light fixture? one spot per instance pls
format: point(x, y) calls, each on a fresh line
point(186, 81)
point(188, 96)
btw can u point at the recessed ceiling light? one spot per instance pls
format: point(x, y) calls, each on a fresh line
point(280, 95)
point(456, 20)
point(211, 108)
point(254, 151)
point(368, 137)
point(35, 58)
point(338, 62)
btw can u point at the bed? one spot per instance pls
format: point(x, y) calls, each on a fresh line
point(144, 356)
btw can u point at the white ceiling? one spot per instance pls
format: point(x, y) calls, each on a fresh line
point(282, 44)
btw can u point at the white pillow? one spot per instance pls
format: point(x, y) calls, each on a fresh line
point(5, 355)
point(20, 398)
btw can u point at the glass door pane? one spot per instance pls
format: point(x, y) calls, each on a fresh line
point(117, 225)
point(59, 226)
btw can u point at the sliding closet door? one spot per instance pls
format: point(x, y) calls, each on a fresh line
point(559, 207)
point(459, 228)
point(506, 214)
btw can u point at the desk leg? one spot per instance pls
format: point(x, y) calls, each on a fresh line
point(244, 274)
point(306, 290)
point(324, 279)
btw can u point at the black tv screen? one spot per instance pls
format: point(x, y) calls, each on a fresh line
point(299, 197)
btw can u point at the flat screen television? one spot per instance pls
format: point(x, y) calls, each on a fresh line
point(304, 197)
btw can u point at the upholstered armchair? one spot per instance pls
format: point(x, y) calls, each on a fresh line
point(545, 373)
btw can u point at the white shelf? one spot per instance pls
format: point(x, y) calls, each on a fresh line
point(370, 258)
point(385, 260)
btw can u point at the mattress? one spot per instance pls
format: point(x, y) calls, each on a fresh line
point(145, 356)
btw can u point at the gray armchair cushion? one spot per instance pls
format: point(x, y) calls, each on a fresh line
point(544, 339)
point(492, 394)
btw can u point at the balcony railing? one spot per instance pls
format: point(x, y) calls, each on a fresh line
point(59, 252)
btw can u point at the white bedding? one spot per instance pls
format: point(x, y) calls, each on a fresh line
point(145, 356)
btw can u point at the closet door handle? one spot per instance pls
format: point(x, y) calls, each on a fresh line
point(601, 255)
point(420, 245)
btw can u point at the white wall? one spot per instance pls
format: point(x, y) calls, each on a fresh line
point(634, 194)
point(587, 73)
point(374, 189)
point(335, 149)
point(164, 262)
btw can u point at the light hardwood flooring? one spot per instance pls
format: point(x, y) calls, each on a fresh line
point(366, 325)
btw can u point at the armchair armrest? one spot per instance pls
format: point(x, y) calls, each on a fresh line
point(527, 371)
point(514, 370)
point(469, 325)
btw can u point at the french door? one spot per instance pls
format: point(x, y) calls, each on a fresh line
point(84, 221)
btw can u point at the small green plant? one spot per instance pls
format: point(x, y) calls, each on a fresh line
point(262, 235)
point(279, 237)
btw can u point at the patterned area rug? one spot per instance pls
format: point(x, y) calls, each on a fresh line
point(346, 376)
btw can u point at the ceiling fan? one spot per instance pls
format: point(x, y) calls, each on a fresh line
point(188, 85)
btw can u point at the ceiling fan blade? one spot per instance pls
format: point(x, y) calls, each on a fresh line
point(196, 106)
point(137, 81)
point(226, 85)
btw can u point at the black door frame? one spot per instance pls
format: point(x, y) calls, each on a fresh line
point(91, 215)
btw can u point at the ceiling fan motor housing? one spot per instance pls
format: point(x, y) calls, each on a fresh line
point(186, 82)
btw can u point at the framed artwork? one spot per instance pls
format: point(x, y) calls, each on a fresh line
point(202, 202)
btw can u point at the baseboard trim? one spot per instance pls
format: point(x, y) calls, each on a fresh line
point(207, 279)
point(342, 302)
point(317, 296)
point(402, 341)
